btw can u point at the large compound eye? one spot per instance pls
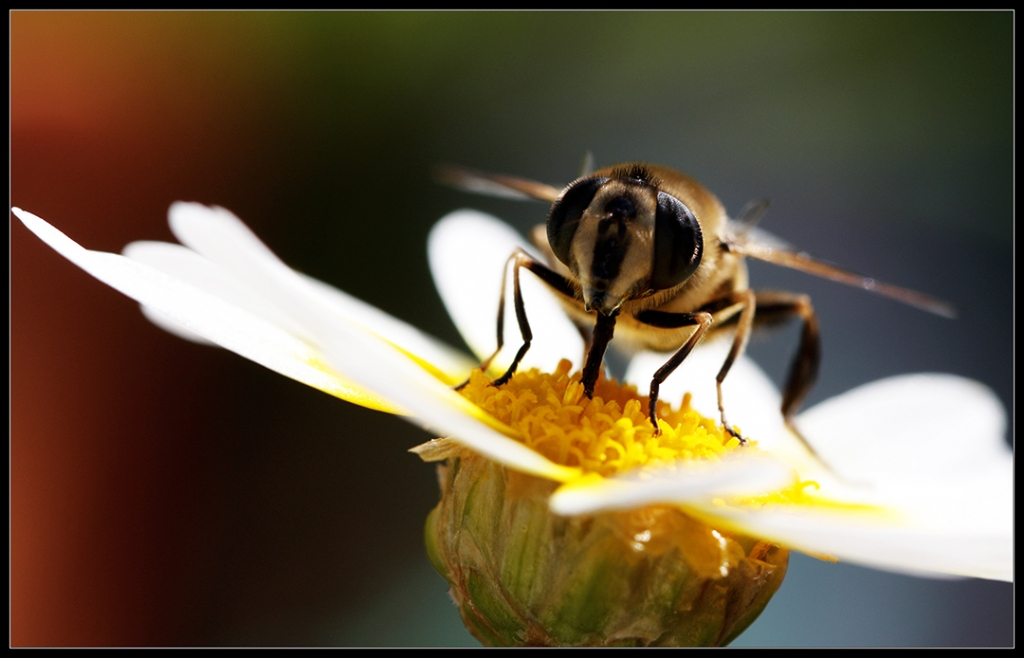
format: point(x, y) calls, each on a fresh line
point(566, 213)
point(678, 243)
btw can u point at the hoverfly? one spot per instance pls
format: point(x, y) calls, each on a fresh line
point(648, 252)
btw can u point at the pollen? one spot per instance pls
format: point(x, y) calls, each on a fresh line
point(605, 435)
point(798, 492)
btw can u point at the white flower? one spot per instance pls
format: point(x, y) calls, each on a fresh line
point(918, 477)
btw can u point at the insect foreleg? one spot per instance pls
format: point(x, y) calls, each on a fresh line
point(720, 310)
point(558, 282)
point(486, 363)
point(746, 301)
point(603, 331)
point(665, 320)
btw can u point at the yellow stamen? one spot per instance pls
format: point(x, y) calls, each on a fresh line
point(799, 492)
point(612, 432)
point(608, 434)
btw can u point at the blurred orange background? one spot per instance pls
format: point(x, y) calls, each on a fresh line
point(143, 467)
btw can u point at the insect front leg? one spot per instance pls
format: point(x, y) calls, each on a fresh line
point(486, 363)
point(603, 332)
point(587, 334)
point(720, 310)
point(702, 320)
point(556, 281)
point(746, 302)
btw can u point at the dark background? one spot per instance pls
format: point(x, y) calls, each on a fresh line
point(164, 493)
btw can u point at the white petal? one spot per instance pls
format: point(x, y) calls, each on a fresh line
point(432, 405)
point(222, 238)
point(172, 327)
point(927, 425)
point(928, 452)
point(201, 313)
point(372, 361)
point(455, 363)
point(189, 267)
point(739, 475)
point(878, 542)
point(467, 252)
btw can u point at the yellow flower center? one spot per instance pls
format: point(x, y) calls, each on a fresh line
point(605, 435)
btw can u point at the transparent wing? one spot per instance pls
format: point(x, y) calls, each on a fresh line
point(749, 241)
point(500, 185)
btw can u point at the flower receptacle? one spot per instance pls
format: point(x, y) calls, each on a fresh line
point(522, 575)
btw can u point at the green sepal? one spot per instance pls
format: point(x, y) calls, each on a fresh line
point(521, 575)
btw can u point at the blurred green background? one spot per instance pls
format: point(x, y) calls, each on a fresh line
point(164, 493)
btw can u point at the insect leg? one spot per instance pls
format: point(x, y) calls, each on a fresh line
point(486, 363)
point(720, 310)
point(555, 280)
point(747, 302)
point(603, 331)
point(665, 320)
point(775, 306)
